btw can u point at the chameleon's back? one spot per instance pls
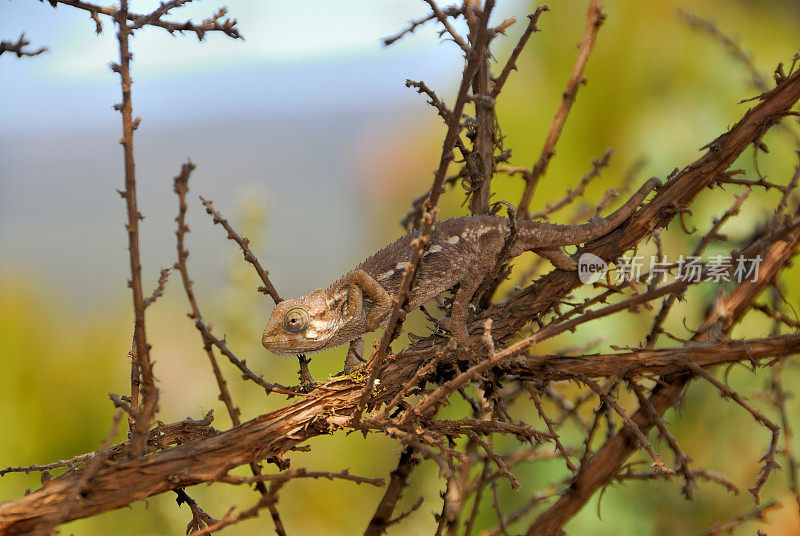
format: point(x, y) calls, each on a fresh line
point(454, 246)
point(471, 245)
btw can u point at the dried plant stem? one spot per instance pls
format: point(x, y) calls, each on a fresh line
point(453, 128)
point(594, 18)
point(144, 410)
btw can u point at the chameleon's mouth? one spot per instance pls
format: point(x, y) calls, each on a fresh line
point(290, 346)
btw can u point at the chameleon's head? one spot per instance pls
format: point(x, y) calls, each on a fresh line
point(300, 325)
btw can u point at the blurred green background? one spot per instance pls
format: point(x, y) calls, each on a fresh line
point(322, 185)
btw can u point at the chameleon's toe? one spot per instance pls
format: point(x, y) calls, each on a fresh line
point(457, 330)
point(446, 324)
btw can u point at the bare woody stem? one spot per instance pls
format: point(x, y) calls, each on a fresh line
point(228, 27)
point(594, 18)
point(244, 244)
point(484, 142)
point(181, 185)
point(453, 129)
point(147, 408)
point(602, 467)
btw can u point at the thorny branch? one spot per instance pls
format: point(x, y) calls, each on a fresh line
point(244, 243)
point(594, 19)
point(141, 362)
point(215, 23)
point(19, 49)
point(402, 394)
point(474, 57)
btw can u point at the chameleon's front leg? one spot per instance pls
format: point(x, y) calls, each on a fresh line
point(355, 353)
point(363, 284)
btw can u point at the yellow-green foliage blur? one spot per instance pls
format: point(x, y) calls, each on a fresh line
point(657, 90)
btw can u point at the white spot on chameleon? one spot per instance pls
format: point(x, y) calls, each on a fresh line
point(452, 240)
point(385, 275)
point(318, 324)
point(433, 249)
point(402, 265)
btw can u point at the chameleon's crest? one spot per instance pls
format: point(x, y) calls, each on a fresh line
point(300, 325)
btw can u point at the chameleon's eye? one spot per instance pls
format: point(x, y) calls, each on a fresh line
point(296, 320)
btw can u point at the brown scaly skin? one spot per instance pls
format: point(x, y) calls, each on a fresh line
point(461, 251)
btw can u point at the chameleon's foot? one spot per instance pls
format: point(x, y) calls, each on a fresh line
point(354, 357)
point(355, 373)
point(458, 330)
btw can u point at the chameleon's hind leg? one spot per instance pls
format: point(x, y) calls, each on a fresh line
point(558, 258)
point(456, 323)
point(363, 284)
point(355, 353)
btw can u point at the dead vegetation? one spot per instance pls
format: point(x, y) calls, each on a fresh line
point(399, 393)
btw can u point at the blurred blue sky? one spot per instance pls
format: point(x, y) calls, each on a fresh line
point(281, 118)
point(298, 57)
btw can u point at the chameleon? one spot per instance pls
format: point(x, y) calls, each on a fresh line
point(462, 251)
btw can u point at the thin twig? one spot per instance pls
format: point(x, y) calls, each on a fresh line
point(511, 63)
point(381, 519)
point(18, 48)
point(769, 457)
point(420, 246)
point(146, 409)
point(594, 18)
point(451, 11)
point(211, 24)
point(244, 243)
point(728, 526)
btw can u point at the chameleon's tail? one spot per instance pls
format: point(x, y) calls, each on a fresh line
point(585, 232)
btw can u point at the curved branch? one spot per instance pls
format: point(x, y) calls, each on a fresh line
point(326, 409)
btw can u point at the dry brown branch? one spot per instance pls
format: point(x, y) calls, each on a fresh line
point(681, 460)
point(302, 473)
point(551, 428)
point(19, 49)
point(80, 487)
point(483, 131)
point(401, 396)
point(602, 466)
point(399, 481)
point(610, 401)
point(141, 366)
point(244, 243)
point(212, 24)
point(769, 457)
point(574, 193)
point(160, 288)
point(594, 18)
point(452, 11)
point(511, 63)
point(787, 451)
point(659, 361)
point(181, 187)
point(732, 47)
point(443, 18)
point(473, 60)
point(205, 460)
